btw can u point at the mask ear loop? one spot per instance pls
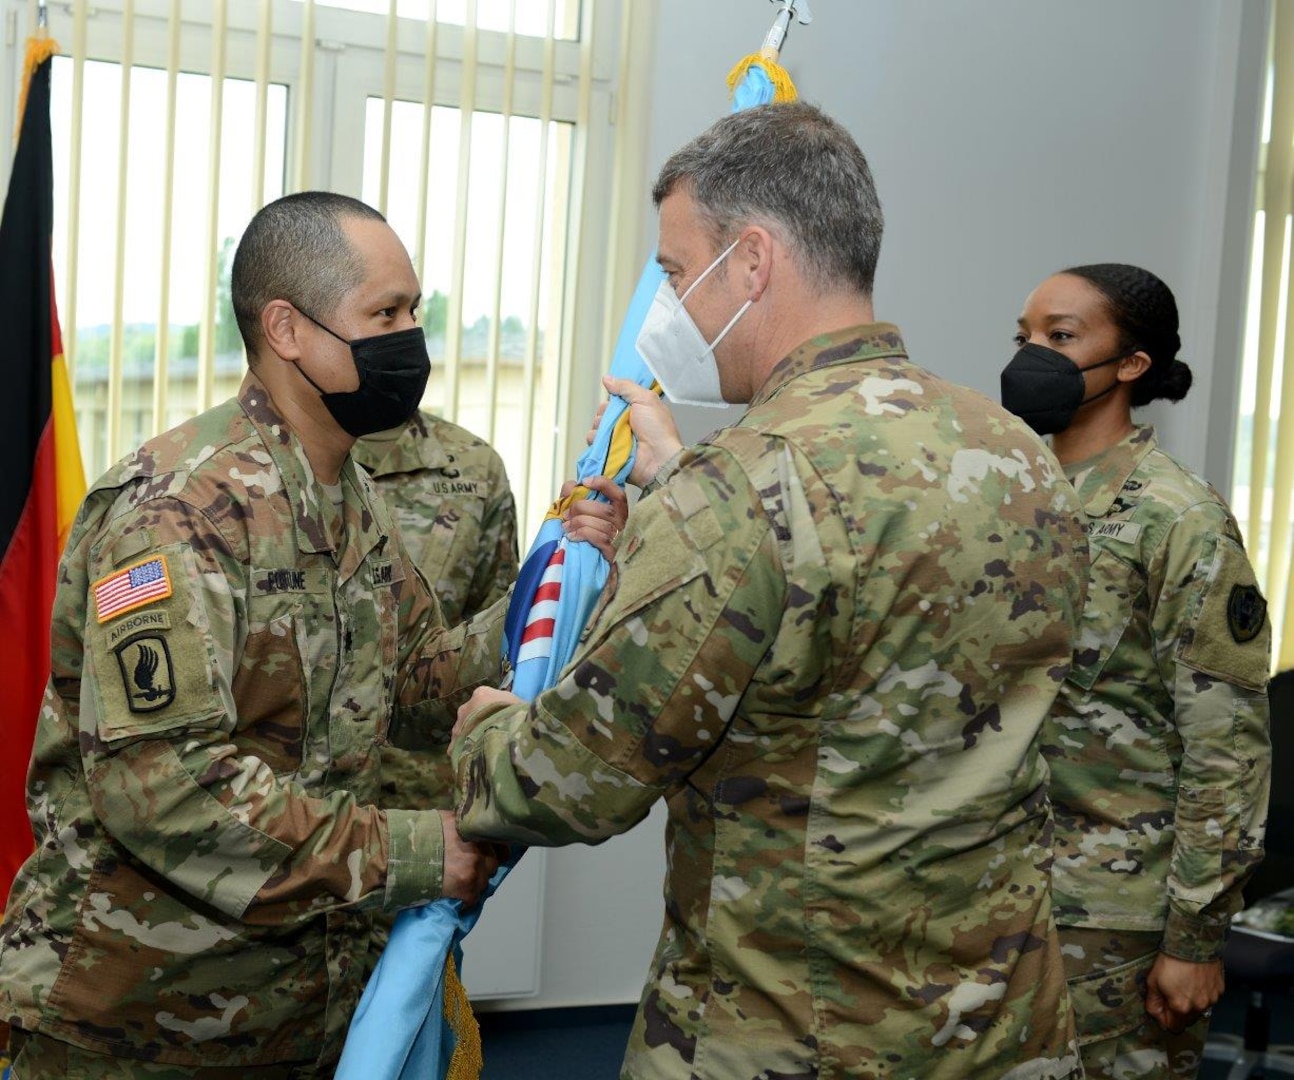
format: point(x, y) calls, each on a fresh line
point(334, 333)
point(731, 323)
point(704, 274)
point(1109, 389)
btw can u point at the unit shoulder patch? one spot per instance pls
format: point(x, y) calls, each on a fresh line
point(1246, 612)
point(146, 672)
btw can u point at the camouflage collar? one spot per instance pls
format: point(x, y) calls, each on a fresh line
point(870, 341)
point(1099, 479)
point(415, 449)
point(316, 518)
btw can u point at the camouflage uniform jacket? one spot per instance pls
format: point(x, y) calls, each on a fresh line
point(1158, 743)
point(228, 645)
point(829, 641)
point(448, 492)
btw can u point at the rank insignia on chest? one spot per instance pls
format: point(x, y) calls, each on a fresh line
point(1246, 612)
point(130, 588)
point(145, 662)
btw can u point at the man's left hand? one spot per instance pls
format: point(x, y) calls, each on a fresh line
point(481, 697)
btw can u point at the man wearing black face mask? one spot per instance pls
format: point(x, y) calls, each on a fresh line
point(237, 630)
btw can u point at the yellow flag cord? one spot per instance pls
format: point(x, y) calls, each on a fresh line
point(783, 87)
point(467, 1062)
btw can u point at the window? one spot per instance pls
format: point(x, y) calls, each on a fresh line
point(1263, 481)
point(482, 128)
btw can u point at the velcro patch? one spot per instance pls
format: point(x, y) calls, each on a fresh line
point(146, 672)
point(1246, 612)
point(132, 587)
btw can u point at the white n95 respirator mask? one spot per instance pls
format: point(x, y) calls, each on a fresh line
point(674, 349)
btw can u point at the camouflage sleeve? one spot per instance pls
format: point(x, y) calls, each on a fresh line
point(693, 604)
point(1212, 645)
point(662, 474)
point(184, 782)
point(439, 668)
point(497, 567)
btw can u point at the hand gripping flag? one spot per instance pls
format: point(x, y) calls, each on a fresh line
point(414, 1021)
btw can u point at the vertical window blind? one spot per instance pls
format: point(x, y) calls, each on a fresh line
point(1263, 484)
point(483, 129)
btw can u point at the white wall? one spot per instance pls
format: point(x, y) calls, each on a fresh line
point(1008, 138)
point(1012, 138)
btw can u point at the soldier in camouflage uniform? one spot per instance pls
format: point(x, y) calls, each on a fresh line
point(236, 623)
point(1158, 742)
point(449, 493)
point(829, 641)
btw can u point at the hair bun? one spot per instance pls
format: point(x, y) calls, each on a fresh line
point(1176, 382)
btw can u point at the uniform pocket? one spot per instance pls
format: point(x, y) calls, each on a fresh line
point(1115, 592)
point(270, 688)
point(1111, 1002)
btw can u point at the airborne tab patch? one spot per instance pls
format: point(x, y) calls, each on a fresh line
point(133, 587)
point(1246, 611)
point(146, 672)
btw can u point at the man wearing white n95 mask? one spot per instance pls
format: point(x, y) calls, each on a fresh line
point(837, 686)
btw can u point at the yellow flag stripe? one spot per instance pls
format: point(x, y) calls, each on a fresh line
point(68, 471)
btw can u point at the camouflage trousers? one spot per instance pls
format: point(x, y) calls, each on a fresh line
point(1117, 1039)
point(38, 1057)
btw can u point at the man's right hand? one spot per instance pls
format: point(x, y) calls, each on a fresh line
point(467, 867)
point(652, 423)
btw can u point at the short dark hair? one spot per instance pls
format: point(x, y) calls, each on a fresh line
point(792, 168)
point(1145, 312)
point(295, 249)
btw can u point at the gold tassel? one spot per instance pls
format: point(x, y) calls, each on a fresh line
point(783, 87)
point(468, 1061)
point(39, 49)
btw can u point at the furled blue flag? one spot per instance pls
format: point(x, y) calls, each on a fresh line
point(413, 1021)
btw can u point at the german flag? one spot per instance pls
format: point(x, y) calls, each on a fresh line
point(42, 482)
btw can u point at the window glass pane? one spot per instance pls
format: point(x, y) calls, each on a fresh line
point(527, 271)
point(188, 241)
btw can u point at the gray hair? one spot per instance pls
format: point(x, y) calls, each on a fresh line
point(793, 169)
point(295, 249)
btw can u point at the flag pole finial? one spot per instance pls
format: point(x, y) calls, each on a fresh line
point(42, 16)
point(791, 9)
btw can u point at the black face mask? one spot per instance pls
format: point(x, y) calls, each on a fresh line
point(393, 371)
point(1045, 388)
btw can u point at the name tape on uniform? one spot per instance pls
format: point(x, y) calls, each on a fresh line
point(1124, 531)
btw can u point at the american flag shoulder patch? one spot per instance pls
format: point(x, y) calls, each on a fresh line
point(131, 587)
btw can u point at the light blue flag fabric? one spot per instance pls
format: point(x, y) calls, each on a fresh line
point(399, 1029)
point(753, 88)
point(560, 581)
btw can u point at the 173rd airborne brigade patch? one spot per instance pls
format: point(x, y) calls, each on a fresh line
point(144, 658)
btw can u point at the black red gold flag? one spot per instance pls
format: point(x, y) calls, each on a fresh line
point(42, 480)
